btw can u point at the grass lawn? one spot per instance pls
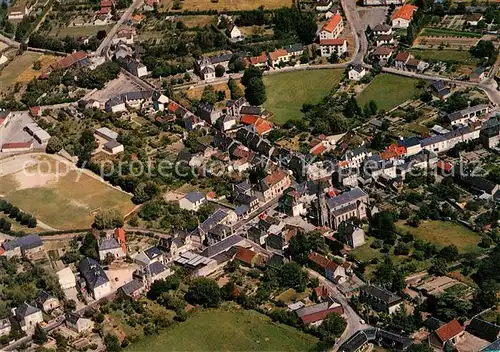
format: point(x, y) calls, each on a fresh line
point(365, 253)
point(461, 56)
point(15, 68)
point(388, 91)
point(291, 295)
point(220, 330)
point(444, 233)
point(79, 31)
point(287, 92)
point(228, 5)
point(440, 32)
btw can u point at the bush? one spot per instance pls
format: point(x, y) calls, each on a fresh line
point(486, 242)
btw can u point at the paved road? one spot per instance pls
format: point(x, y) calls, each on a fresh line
point(105, 44)
point(353, 320)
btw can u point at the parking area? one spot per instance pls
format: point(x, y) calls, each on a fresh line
point(371, 16)
point(120, 85)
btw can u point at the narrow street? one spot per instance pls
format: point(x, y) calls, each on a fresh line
point(353, 320)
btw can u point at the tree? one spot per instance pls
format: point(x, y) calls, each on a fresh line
point(449, 253)
point(255, 91)
point(13, 212)
point(291, 275)
point(334, 58)
point(398, 281)
point(484, 48)
point(112, 343)
point(205, 292)
point(384, 272)
point(108, 219)
point(39, 336)
point(208, 96)
point(37, 65)
point(54, 145)
point(160, 286)
point(101, 34)
point(250, 72)
point(219, 71)
point(235, 89)
point(32, 222)
point(332, 326)
point(373, 106)
point(439, 266)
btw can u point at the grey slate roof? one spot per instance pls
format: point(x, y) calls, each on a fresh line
point(156, 268)
point(222, 246)
point(25, 310)
point(109, 243)
point(194, 197)
point(92, 272)
point(26, 242)
point(484, 329)
point(294, 48)
point(153, 252)
point(316, 308)
point(494, 347)
point(346, 197)
point(132, 286)
point(112, 144)
point(43, 296)
point(382, 294)
point(250, 110)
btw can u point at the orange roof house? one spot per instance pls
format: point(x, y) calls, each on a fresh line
point(405, 12)
point(248, 119)
point(262, 126)
point(333, 23)
point(318, 149)
point(120, 237)
point(258, 60)
point(275, 55)
point(451, 331)
point(333, 42)
point(248, 256)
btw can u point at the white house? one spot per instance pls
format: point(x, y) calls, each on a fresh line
point(382, 29)
point(332, 28)
point(113, 147)
point(233, 32)
point(5, 327)
point(111, 246)
point(15, 13)
point(124, 35)
point(78, 324)
point(28, 316)
point(356, 73)
point(403, 16)
point(329, 46)
point(192, 201)
point(278, 56)
point(66, 278)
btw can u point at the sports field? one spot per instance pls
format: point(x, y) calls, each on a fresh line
point(287, 92)
point(63, 202)
point(388, 91)
point(221, 330)
point(445, 233)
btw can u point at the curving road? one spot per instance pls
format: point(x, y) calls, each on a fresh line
point(353, 320)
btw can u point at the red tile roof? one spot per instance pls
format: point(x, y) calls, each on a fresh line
point(402, 56)
point(35, 110)
point(69, 60)
point(405, 12)
point(104, 10)
point(312, 318)
point(262, 126)
point(15, 145)
point(261, 59)
point(173, 107)
point(248, 119)
point(275, 177)
point(275, 55)
point(334, 42)
point(444, 165)
point(319, 149)
point(332, 23)
point(245, 255)
point(318, 259)
point(449, 330)
point(382, 51)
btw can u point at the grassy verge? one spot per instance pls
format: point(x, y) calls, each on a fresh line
point(287, 92)
point(440, 32)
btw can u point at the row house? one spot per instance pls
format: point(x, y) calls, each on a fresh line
point(470, 114)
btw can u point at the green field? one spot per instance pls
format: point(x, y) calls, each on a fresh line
point(365, 253)
point(440, 32)
point(64, 203)
point(388, 91)
point(10, 73)
point(445, 233)
point(220, 330)
point(461, 56)
point(79, 31)
point(287, 92)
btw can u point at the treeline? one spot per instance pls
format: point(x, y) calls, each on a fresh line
point(67, 44)
point(15, 213)
point(98, 77)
